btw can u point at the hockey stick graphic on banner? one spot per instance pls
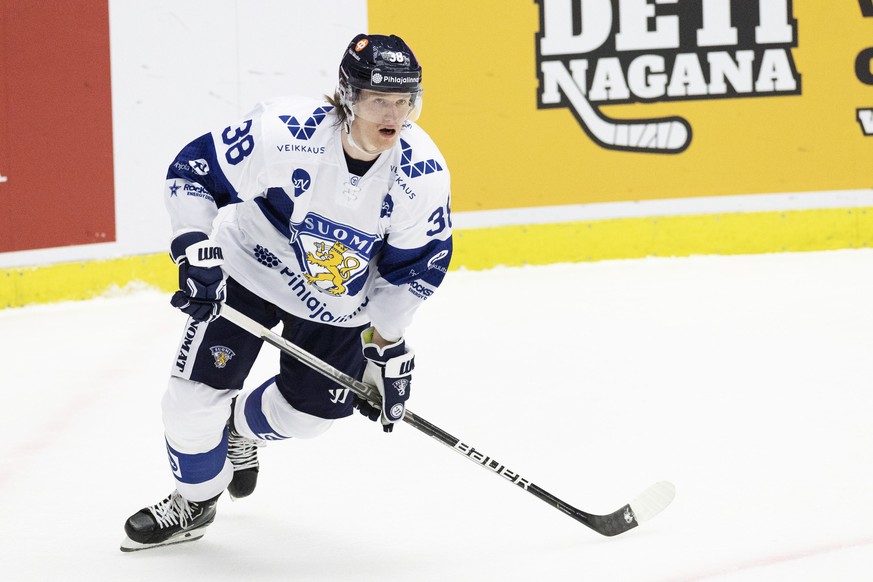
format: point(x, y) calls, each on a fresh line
point(666, 135)
point(648, 504)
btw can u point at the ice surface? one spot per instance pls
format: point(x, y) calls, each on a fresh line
point(746, 381)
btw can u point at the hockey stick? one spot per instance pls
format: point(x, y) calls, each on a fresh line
point(648, 504)
point(667, 135)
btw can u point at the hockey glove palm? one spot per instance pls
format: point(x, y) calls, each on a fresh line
point(201, 281)
point(389, 369)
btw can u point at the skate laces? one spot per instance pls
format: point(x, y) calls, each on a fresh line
point(242, 452)
point(173, 510)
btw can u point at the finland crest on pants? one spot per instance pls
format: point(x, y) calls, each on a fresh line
point(222, 355)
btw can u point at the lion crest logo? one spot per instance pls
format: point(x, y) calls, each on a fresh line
point(338, 267)
point(221, 355)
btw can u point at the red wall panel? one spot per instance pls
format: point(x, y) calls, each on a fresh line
point(55, 124)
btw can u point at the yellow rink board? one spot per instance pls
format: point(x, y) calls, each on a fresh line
point(595, 240)
point(83, 279)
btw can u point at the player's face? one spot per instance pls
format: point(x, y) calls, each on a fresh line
point(379, 118)
point(385, 108)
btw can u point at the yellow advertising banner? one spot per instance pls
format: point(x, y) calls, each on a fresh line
point(560, 102)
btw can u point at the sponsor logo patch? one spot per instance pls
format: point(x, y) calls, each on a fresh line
point(603, 52)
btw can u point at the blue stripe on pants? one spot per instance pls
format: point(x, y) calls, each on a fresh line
point(199, 467)
point(254, 413)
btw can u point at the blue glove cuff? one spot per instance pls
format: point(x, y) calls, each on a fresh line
point(181, 243)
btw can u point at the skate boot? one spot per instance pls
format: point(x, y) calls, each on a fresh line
point(243, 455)
point(172, 521)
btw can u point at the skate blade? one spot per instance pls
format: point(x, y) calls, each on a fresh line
point(128, 545)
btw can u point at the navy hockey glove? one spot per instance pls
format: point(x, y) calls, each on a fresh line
point(201, 280)
point(389, 369)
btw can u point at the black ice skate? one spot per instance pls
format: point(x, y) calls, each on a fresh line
point(243, 455)
point(172, 521)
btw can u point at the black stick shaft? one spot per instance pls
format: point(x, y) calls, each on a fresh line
point(609, 525)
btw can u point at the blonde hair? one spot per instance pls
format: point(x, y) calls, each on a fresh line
point(341, 113)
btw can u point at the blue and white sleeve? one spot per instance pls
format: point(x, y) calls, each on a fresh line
point(414, 260)
point(214, 170)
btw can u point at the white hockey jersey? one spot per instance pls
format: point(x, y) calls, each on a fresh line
point(304, 233)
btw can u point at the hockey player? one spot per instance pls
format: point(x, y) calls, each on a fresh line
point(329, 217)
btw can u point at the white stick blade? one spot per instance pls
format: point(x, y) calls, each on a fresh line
point(653, 500)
